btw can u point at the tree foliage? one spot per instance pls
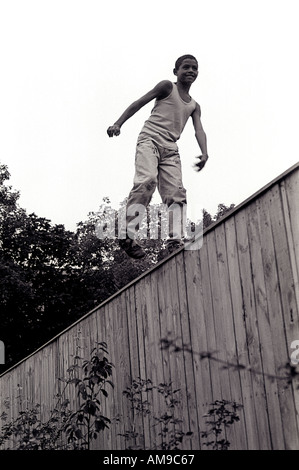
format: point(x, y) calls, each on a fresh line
point(50, 276)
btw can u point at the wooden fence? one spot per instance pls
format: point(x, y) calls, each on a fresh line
point(236, 298)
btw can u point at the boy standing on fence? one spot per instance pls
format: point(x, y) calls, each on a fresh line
point(157, 161)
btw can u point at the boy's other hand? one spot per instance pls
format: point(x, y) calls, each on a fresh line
point(113, 130)
point(203, 160)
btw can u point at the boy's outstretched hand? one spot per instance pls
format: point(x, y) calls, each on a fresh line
point(113, 130)
point(203, 160)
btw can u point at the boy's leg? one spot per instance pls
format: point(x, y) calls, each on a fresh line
point(173, 194)
point(144, 185)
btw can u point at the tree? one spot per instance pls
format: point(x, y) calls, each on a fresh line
point(50, 277)
point(222, 209)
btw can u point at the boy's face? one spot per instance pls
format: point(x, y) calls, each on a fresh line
point(187, 71)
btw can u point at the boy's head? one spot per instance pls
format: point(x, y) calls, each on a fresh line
point(186, 68)
point(181, 59)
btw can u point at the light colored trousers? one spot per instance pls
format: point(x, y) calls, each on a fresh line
point(157, 167)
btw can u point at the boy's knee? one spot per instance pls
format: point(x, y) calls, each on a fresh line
point(147, 185)
point(151, 185)
point(179, 196)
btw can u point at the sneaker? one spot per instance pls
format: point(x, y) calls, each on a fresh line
point(132, 248)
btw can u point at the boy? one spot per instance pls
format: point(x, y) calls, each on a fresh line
point(157, 161)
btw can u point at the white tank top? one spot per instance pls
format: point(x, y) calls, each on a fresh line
point(167, 120)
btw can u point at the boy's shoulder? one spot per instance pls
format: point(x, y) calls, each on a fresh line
point(164, 88)
point(166, 83)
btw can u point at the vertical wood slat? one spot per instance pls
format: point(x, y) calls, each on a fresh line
point(288, 302)
point(211, 342)
point(264, 318)
point(155, 373)
point(290, 195)
point(198, 339)
point(190, 379)
point(290, 207)
point(121, 348)
point(223, 324)
point(238, 295)
point(248, 413)
point(114, 413)
point(183, 360)
point(252, 336)
point(137, 424)
point(103, 335)
point(173, 324)
point(165, 313)
point(146, 372)
point(228, 324)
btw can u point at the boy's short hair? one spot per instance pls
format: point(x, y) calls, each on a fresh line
point(182, 58)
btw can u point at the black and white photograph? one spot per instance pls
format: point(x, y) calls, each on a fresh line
point(149, 229)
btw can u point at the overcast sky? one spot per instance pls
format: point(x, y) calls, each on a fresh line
point(69, 68)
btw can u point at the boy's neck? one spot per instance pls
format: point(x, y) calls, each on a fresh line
point(183, 88)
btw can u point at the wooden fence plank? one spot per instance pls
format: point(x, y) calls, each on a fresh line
point(248, 414)
point(286, 300)
point(265, 315)
point(122, 363)
point(137, 422)
point(141, 306)
point(112, 413)
point(198, 335)
point(228, 330)
point(165, 292)
point(290, 199)
point(222, 341)
point(253, 342)
point(190, 378)
point(178, 365)
point(211, 342)
point(155, 373)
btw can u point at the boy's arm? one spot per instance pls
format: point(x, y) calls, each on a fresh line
point(160, 91)
point(200, 137)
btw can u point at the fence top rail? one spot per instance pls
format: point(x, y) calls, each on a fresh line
point(211, 227)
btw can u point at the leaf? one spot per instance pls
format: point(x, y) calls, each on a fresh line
point(75, 381)
point(90, 408)
point(100, 425)
point(73, 367)
point(95, 379)
point(78, 433)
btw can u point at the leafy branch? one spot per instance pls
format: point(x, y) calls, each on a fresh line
point(86, 422)
point(170, 433)
point(221, 415)
point(65, 429)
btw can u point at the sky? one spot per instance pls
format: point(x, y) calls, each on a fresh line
point(69, 68)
